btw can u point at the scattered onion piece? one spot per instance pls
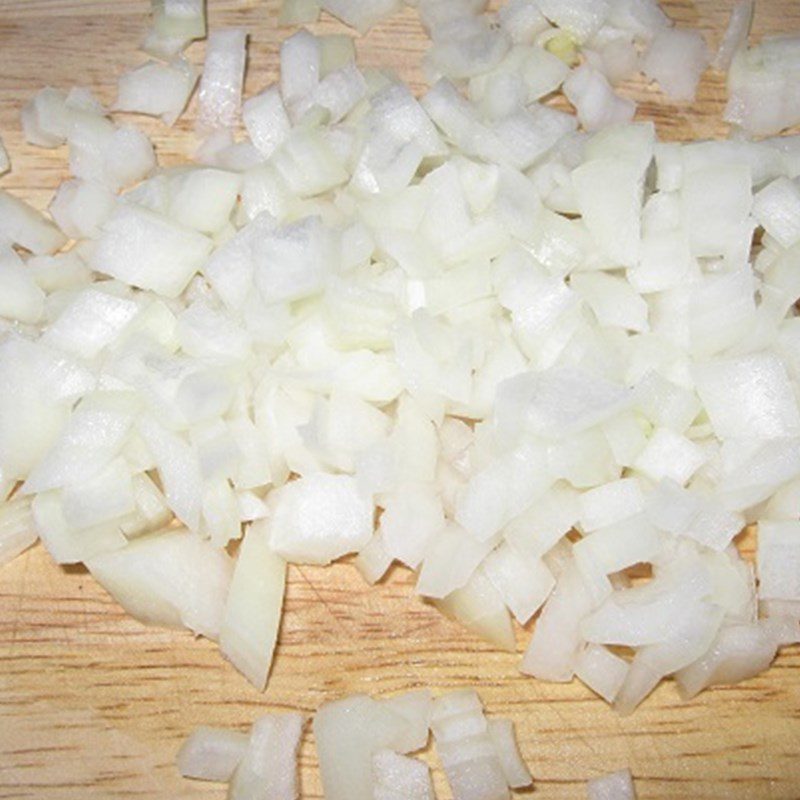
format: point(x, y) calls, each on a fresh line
point(220, 92)
point(268, 770)
point(211, 754)
point(399, 777)
point(762, 99)
point(614, 786)
point(161, 90)
point(361, 14)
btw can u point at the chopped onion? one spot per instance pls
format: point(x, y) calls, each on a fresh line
point(160, 90)
point(373, 561)
point(554, 650)
point(399, 777)
point(220, 93)
point(602, 671)
point(151, 511)
point(778, 553)
point(211, 754)
point(479, 759)
point(300, 69)
point(518, 350)
point(203, 199)
point(24, 226)
point(253, 608)
point(164, 257)
point(524, 584)
point(738, 653)
point(595, 102)
point(38, 387)
point(776, 207)
point(20, 298)
point(676, 59)
point(155, 578)
point(165, 48)
point(761, 80)
point(735, 34)
point(580, 18)
point(351, 731)
point(614, 786)
point(516, 771)
point(69, 545)
point(319, 518)
point(522, 20)
point(80, 208)
point(180, 18)
point(611, 503)
point(299, 12)
point(751, 393)
point(336, 50)
point(361, 14)
point(479, 607)
point(410, 520)
point(45, 118)
point(268, 770)
point(470, 47)
point(99, 151)
point(266, 120)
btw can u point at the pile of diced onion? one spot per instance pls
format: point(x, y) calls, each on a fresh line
point(542, 359)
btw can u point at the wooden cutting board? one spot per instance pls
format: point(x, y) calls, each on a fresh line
point(94, 705)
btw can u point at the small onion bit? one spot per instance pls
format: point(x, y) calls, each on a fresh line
point(261, 765)
point(614, 786)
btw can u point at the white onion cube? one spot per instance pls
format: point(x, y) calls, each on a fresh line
point(676, 59)
point(779, 560)
point(360, 14)
point(319, 518)
point(220, 93)
point(149, 251)
point(90, 322)
point(399, 777)
point(715, 201)
point(172, 578)
point(669, 455)
point(211, 754)
point(160, 90)
point(610, 503)
point(777, 209)
point(609, 196)
point(748, 396)
point(20, 298)
point(602, 671)
point(410, 519)
point(614, 786)
point(22, 225)
point(266, 120)
point(268, 770)
point(524, 584)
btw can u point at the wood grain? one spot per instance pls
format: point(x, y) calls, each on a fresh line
point(94, 705)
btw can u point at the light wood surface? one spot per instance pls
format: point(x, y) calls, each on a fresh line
point(94, 705)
